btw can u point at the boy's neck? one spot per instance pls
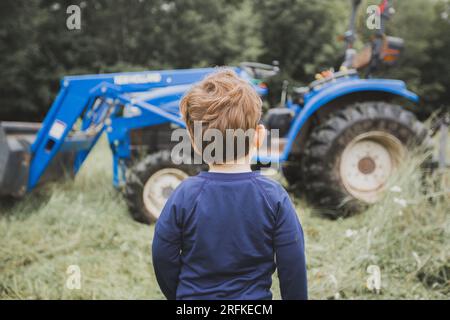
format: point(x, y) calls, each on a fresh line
point(230, 168)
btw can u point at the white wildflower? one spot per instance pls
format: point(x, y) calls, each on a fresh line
point(401, 202)
point(396, 189)
point(350, 233)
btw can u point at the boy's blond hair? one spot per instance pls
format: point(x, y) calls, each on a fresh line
point(222, 101)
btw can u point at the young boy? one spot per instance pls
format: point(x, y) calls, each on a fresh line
point(222, 233)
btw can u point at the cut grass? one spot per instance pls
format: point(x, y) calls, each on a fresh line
point(85, 222)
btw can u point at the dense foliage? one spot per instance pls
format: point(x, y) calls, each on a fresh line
point(37, 49)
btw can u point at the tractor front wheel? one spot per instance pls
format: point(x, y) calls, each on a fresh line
point(349, 158)
point(150, 182)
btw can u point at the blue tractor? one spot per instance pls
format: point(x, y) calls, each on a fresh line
point(340, 139)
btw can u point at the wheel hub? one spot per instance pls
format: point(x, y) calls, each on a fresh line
point(159, 187)
point(367, 163)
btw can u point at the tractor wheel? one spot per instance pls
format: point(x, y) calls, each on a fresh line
point(150, 182)
point(350, 157)
point(292, 172)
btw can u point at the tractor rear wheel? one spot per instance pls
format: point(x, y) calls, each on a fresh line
point(150, 182)
point(292, 172)
point(349, 158)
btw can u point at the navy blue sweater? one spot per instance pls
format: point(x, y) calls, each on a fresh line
point(221, 236)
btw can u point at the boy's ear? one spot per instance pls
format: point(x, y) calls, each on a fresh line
point(260, 135)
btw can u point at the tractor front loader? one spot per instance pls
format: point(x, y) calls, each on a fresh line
point(138, 112)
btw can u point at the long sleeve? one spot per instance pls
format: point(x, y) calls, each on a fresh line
point(166, 251)
point(290, 253)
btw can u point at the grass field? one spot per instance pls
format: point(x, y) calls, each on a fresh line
point(86, 223)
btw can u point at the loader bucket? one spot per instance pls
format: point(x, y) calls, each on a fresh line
point(15, 141)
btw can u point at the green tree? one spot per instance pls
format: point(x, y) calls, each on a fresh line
point(17, 29)
point(302, 34)
point(36, 48)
